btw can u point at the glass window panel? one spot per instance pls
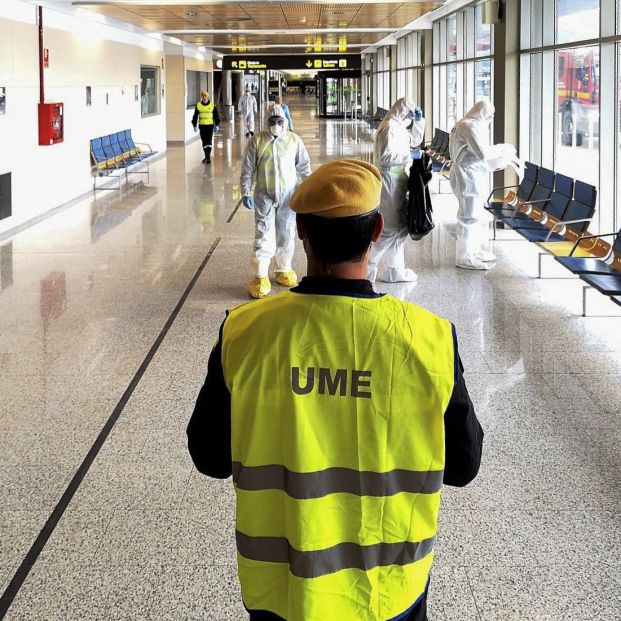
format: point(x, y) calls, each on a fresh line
point(525, 85)
point(461, 19)
point(483, 34)
point(536, 23)
point(548, 106)
point(577, 20)
point(535, 107)
point(525, 17)
point(577, 113)
point(483, 80)
point(603, 139)
point(436, 42)
point(617, 221)
point(443, 101)
point(469, 86)
point(451, 93)
point(469, 32)
point(459, 112)
point(149, 90)
point(607, 18)
point(451, 38)
point(443, 40)
point(436, 96)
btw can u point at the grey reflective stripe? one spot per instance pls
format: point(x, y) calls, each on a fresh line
point(305, 485)
point(330, 560)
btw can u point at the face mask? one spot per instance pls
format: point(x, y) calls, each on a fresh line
point(276, 130)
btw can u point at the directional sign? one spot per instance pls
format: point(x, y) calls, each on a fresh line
point(293, 61)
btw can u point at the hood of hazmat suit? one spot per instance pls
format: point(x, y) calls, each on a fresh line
point(275, 109)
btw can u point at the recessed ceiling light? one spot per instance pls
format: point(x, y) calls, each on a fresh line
point(191, 13)
point(303, 20)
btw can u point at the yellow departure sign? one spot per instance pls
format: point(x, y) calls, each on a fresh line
point(293, 61)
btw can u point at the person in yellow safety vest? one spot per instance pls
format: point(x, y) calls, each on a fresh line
point(273, 161)
point(205, 119)
point(340, 413)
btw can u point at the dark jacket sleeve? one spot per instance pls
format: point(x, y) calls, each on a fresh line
point(463, 433)
point(216, 116)
point(209, 429)
point(195, 116)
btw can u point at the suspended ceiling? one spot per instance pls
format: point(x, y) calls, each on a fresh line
point(260, 23)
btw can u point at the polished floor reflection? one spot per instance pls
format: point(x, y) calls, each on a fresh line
point(84, 296)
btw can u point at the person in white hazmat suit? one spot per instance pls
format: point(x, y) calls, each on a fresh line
point(402, 129)
point(247, 105)
point(274, 162)
point(473, 159)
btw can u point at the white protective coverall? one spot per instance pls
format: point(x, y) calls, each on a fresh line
point(247, 105)
point(397, 134)
point(273, 164)
point(473, 159)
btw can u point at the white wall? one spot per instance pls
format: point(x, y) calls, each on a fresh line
point(82, 53)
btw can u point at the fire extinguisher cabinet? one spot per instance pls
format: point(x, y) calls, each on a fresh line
point(50, 123)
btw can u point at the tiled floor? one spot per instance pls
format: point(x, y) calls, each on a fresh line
point(536, 537)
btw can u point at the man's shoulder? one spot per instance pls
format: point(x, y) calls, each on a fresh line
point(415, 311)
point(259, 306)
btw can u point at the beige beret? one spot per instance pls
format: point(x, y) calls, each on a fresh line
point(339, 189)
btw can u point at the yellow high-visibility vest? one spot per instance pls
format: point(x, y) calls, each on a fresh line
point(338, 451)
point(205, 113)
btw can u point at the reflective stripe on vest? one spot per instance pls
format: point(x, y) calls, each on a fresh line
point(338, 452)
point(205, 113)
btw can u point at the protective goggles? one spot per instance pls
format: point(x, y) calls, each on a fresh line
point(275, 120)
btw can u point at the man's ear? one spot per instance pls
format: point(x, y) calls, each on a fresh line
point(379, 227)
point(301, 229)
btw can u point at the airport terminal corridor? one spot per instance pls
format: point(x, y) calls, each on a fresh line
point(109, 309)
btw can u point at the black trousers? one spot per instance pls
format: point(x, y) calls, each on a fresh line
point(418, 613)
point(206, 132)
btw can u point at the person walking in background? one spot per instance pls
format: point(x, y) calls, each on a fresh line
point(273, 162)
point(247, 106)
point(205, 119)
point(285, 109)
point(340, 412)
point(402, 129)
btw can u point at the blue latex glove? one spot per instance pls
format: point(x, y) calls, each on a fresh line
point(416, 154)
point(216, 128)
point(195, 129)
point(248, 202)
point(418, 114)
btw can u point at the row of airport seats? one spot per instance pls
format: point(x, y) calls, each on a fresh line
point(554, 212)
point(118, 154)
point(438, 148)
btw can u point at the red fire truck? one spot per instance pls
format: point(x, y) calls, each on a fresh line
point(577, 91)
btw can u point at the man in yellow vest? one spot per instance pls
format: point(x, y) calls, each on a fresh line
point(340, 412)
point(205, 118)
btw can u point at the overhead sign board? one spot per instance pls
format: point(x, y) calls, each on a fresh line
point(306, 61)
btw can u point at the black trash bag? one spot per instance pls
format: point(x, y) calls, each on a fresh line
point(419, 208)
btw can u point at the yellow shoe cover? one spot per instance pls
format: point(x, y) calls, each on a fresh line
point(259, 287)
point(287, 279)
